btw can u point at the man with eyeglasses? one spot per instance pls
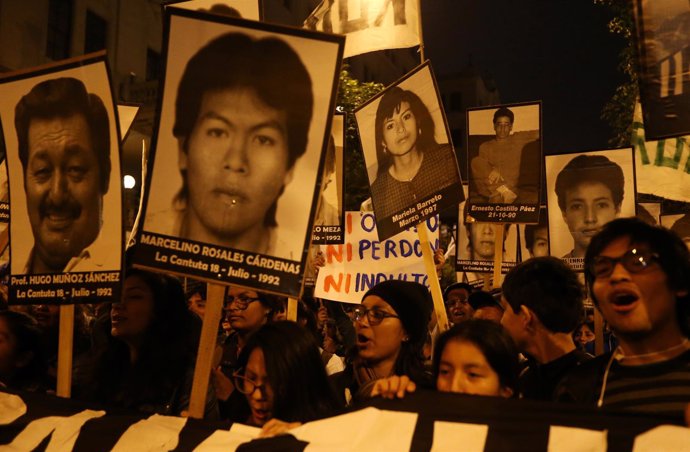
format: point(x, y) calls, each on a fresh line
point(456, 298)
point(639, 278)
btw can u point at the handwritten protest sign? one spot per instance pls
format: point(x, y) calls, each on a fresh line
point(363, 261)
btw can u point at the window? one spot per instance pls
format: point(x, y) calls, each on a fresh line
point(59, 29)
point(96, 34)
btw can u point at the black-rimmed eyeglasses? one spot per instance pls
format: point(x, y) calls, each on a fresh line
point(634, 261)
point(246, 385)
point(241, 301)
point(374, 316)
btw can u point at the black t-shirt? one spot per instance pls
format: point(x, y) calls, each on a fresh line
point(539, 381)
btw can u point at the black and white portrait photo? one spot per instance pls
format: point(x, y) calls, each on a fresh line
point(505, 155)
point(476, 245)
point(411, 163)
point(663, 37)
point(586, 191)
point(328, 225)
point(61, 135)
point(534, 238)
point(237, 148)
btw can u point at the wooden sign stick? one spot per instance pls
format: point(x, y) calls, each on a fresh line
point(434, 285)
point(498, 253)
point(65, 347)
point(207, 345)
point(292, 309)
point(598, 333)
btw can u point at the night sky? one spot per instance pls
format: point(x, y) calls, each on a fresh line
point(557, 51)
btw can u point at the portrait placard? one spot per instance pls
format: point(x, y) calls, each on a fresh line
point(363, 260)
point(63, 155)
point(245, 9)
point(504, 154)
point(649, 212)
point(411, 164)
point(237, 150)
point(585, 191)
point(678, 223)
point(476, 245)
point(328, 225)
point(534, 238)
point(663, 39)
point(4, 190)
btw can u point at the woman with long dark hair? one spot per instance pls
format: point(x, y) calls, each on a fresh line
point(391, 328)
point(147, 361)
point(283, 378)
point(411, 165)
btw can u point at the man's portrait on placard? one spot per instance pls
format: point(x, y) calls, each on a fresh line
point(63, 161)
point(246, 9)
point(534, 238)
point(408, 152)
point(476, 245)
point(240, 136)
point(330, 211)
point(663, 37)
point(504, 154)
point(586, 191)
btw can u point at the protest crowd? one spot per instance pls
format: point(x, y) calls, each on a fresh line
point(528, 340)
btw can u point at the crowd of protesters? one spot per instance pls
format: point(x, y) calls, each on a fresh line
point(531, 339)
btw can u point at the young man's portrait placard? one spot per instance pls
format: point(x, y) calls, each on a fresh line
point(237, 150)
point(245, 9)
point(328, 225)
point(411, 163)
point(585, 191)
point(63, 155)
point(663, 37)
point(476, 245)
point(534, 238)
point(505, 160)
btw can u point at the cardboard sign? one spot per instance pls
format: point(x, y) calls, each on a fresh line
point(363, 261)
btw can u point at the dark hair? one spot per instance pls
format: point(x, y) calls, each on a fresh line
point(457, 285)
point(482, 299)
point(531, 229)
point(590, 168)
point(674, 257)
point(548, 287)
point(390, 103)
point(60, 98)
point(503, 111)
point(492, 340)
point(297, 376)
point(27, 334)
point(154, 383)
point(267, 66)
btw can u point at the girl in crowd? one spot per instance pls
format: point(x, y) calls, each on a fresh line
point(283, 378)
point(405, 144)
point(391, 327)
point(22, 364)
point(246, 312)
point(147, 361)
point(473, 357)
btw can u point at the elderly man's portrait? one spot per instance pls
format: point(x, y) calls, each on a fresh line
point(504, 152)
point(240, 135)
point(408, 154)
point(64, 171)
point(586, 191)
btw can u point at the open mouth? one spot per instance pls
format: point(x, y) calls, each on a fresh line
point(362, 340)
point(623, 301)
point(115, 319)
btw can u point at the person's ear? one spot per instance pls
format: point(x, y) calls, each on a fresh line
point(181, 154)
point(527, 317)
